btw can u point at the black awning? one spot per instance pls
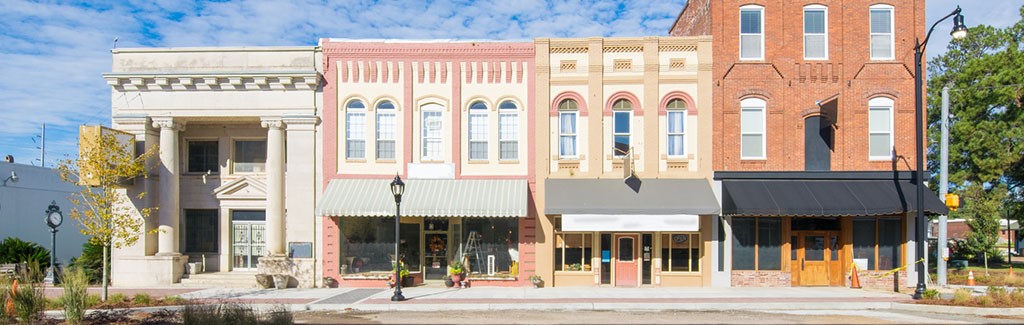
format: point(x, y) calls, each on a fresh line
point(823, 198)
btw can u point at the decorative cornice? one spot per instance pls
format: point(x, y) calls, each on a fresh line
point(303, 80)
point(421, 50)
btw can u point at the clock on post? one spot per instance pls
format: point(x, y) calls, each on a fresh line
point(54, 217)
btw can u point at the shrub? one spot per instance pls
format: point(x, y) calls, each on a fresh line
point(14, 250)
point(280, 315)
point(116, 298)
point(998, 294)
point(74, 302)
point(175, 300)
point(91, 261)
point(931, 294)
point(985, 300)
point(29, 302)
point(5, 288)
point(142, 299)
point(234, 314)
point(961, 296)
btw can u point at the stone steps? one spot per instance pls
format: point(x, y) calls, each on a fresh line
point(220, 280)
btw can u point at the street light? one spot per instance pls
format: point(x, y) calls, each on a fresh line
point(959, 31)
point(53, 219)
point(397, 188)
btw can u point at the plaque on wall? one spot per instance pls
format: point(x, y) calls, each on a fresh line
point(300, 249)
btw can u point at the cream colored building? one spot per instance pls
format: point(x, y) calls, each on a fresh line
point(237, 176)
point(649, 97)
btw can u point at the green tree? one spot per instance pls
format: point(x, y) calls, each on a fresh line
point(107, 214)
point(985, 72)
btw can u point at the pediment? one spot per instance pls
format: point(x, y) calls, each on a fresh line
point(242, 188)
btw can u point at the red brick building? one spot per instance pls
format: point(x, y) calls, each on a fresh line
point(813, 136)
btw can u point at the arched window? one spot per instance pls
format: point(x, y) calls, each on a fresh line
point(386, 126)
point(568, 112)
point(880, 128)
point(508, 130)
point(621, 115)
point(478, 131)
point(676, 110)
point(751, 32)
point(355, 130)
point(752, 127)
point(432, 124)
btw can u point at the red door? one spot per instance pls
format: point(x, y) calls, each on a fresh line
point(626, 261)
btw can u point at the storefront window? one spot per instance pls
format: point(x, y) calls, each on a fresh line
point(368, 244)
point(878, 242)
point(769, 244)
point(497, 241)
point(573, 251)
point(680, 252)
point(757, 240)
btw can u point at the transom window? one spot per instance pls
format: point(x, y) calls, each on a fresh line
point(676, 127)
point(386, 126)
point(752, 126)
point(431, 132)
point(621, 116)
point(203, 157)
point(355, 130)
point(880, 128)
point(751, 32)
point(478, 131)
point(250, 156)
point(567, 115)
point(881, 32)
point(680, 252)
point(508, 130)
point(815, 32)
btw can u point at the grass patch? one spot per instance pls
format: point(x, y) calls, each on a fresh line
point(232, 313)
point(993, 297)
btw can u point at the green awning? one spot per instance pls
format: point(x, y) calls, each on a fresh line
point(425, 198)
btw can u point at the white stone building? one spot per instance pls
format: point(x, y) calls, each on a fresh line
point(237, 128)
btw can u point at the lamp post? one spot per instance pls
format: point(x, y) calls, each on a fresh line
point(53, 219)
point(959, 31)
point(397, 188)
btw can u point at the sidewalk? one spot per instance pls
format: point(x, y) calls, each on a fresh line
point(490, 298)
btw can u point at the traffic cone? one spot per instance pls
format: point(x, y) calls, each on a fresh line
point(854, 279)
point(10, 300)
point(970, 278)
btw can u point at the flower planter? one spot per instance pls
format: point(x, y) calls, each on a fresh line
point(280, 281)
point(265, 281)
point(457, 280)
point(448, 282)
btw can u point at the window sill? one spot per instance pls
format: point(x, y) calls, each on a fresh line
point(880, 159)
point(509, 161)
point(194, 174)
point(479, 162)
point(753, 159)
point(425, 161)
point(355, 160)
point(385, 161)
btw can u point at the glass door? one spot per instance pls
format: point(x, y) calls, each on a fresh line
point(247, 244)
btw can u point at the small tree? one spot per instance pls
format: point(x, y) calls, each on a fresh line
point(104, 164)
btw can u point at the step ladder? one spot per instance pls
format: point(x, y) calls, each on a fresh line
point(471, 249)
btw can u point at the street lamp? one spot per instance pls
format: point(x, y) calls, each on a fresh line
point(959, 31)
point(53, 219)
point(397, 188)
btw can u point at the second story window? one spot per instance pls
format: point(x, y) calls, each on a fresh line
point(751, 32)
point(250, 156)
point(568, 110)
point(752, 126)
point(815, 32)
point(508, 130)
point(676, 127)
point(881, 32)
point(478, 131)
point(880, 128)
point(355, 130)
point(432, 124)
point(203, 157)
point(386, 126)
point(621, 115)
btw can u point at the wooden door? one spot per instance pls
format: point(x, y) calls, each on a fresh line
point(813, 258)
point(626, 261)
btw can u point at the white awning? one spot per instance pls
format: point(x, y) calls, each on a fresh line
point(630, 222)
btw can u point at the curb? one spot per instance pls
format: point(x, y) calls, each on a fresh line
point(597, 306)
point(959, 310)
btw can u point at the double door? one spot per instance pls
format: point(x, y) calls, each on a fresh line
point(815, 258)
point(247, 244)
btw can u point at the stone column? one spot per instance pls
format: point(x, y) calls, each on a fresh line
point(169, 188)
point(275, 186)
point(302, 224)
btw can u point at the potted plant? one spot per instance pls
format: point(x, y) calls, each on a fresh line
point(536, 280)
point(456, 271)
point(448, 283)
point(403, 273)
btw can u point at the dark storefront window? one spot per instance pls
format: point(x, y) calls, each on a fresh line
point(744, 243)
point(680, 252)
point(368, 244)
point(878, 241)
point(757, 239)
point(201, 231)
point(497, 241)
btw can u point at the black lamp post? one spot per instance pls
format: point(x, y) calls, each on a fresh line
point(397, 188)
point(959, 31)
point(53, 219)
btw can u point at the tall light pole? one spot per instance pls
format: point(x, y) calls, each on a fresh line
point(959, 31)
point(397, 189)
point(943, 240)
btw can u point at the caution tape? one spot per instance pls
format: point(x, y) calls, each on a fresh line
point(898, 269)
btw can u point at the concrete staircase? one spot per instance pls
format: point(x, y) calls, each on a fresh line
point(220, 280)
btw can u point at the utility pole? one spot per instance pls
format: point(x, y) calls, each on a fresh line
point(943, 251)
point(42, 147)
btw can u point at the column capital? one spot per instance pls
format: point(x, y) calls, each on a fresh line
point(300, 122)
point(168, 123)
point(272, 122)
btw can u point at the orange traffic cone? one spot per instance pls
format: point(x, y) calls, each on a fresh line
point(854, 279)
point(970, 278)
point(10, 300)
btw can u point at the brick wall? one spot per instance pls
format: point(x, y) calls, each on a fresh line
point(792, 86)
point(694, 20)
point(761, 279)
point(879, 279)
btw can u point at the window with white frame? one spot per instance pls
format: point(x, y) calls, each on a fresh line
point(815, 32)
point(478, 131)
point(622, 113)
point(386, 126)
point(751, 32)
point(432, 124)
point(676, 109)
point(567, 113)
point(881, 32)
point(880, 128)
point(508, 130)
point(355, 130)
point(752, 126)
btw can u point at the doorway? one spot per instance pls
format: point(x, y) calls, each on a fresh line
point(816, 258)
point(247, 244)
point(626, 261)
point(817, 144)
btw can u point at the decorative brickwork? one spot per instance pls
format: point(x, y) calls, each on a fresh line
point(761, 279)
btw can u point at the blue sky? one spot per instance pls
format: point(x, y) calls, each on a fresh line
point(53, 53)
